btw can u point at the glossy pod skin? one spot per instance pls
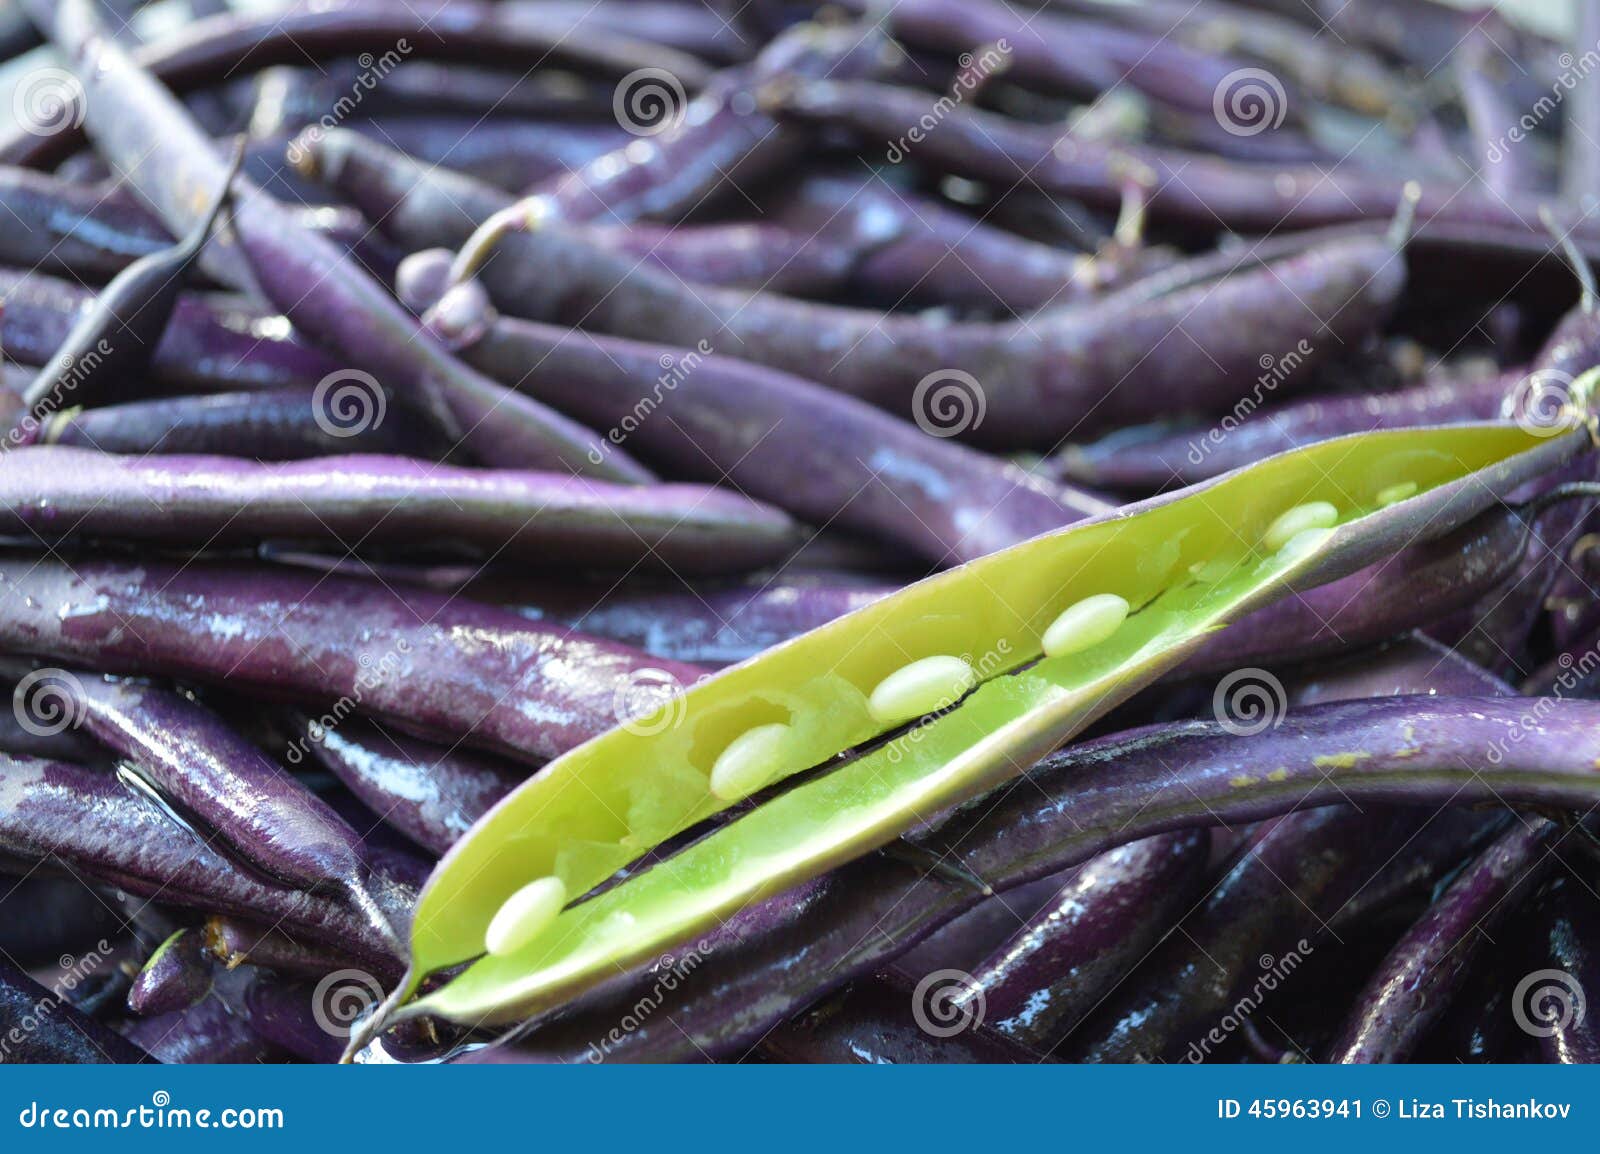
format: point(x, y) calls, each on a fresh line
point(724, 134)
point(1095, 796)
point(1186, 187)
point(1053, 971)
point(271, 425)
point(872, 1023)
point(491, 677)
point(59, 1032)
point(101, 830)
point(719, 417)
point(118, 334)
point(148, 135)
point(212, 343)
point(1273, 903)
point(210, 51)
point(1564, 941)
point(710, 625)
point(1038, 380)
point(174, 978)
point(211, 500)
point(427, 792)
point(234, 942)
point(1414, 985)
point(819, 687)
point(207, 773)
point(1151, 463)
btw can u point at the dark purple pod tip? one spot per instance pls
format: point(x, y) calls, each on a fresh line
point(176, 976)
point(422, 278)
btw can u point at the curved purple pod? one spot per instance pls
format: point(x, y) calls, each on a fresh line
point(1090, 798)
point(1054, 970)
point(149, 137)
point(826, 458)
point(875, 1023)
point(213, 1031)
point(1412, 664)
point(1566, 938)
point(1186, 187)
point(59, 1033)
point(103, 831)
point(723, 135)
point(204, 770)
point(70, 229)
point(1259, 924)
point(1414, 985)
point(429, 793)
point(55, 491)
point(271, 425)
point(174, 978)
point(1149, 463)
point(234, 942)
point(1027, 383)
point(710, 625)
point(211, 51)
point(432, 664)
point(212, 343)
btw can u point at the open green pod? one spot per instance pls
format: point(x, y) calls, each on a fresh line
point(1186, 564)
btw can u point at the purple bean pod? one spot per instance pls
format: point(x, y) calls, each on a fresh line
point(233, 942)
point(875, 1022)
point(212, 343)
point(148, 136)
point(1089, 799)
point(430, 794)
point(87, 820)
point(715, 416)
point(1054, 970)
point(1414, 985)
point(271, 425)
point(1149, 460)
point(1564, 946)
point(176, 976)
point(45, 1028)
point(202, 501)
point(491, 677)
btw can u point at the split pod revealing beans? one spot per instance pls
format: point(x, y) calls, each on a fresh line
point(907, 707)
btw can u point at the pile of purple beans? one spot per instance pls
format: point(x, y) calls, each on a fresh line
point(399, 394)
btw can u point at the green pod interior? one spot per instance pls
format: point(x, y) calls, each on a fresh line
point(1188, 564)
